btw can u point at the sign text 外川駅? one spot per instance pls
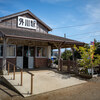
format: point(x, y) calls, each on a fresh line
point(27, 22)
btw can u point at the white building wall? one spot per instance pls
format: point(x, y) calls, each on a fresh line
point(49, 52)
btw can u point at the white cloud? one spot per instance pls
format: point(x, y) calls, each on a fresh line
point(53, 1)
point(93, 12)
point(91, 15)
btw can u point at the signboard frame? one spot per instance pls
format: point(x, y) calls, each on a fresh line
point(26, 22)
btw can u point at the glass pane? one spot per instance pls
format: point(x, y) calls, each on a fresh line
point(39, 51)
point(31, 51)
point(1, 50)
point(10, 50)
point(19, 50)
point(44, 52)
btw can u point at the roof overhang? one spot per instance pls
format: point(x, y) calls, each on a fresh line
point(33, 36)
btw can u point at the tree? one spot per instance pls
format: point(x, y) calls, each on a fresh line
point(89, 58)
point(77, 54)
point(97, 45)
point(66, 55)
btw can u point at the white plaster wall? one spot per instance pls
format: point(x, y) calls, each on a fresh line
point(49, 52)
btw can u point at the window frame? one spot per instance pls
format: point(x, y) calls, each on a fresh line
point(41, 56)
point(9, 56)
point(15, 51)
point(29, 51)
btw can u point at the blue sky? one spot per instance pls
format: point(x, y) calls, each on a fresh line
point(61, 13)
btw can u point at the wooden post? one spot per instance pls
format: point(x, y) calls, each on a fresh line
point(31, 84)
point(74, 62)
point(21, 77)
point(73, 59)
point(61, 64)
point(68, 66)
point(59, 57)
point(73, 54)
point(8, 68)
point(59, 54)
point(14, 73)
point(4, 57)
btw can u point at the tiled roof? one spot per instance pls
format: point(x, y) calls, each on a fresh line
point(18, 33)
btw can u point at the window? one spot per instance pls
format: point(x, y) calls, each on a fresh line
point(31, 51)
point(11, 50)
point(19, 50)
point(41, 52)
point(1, 50)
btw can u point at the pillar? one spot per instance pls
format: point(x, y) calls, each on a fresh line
point(49, 52)
point(59, 58)
point(73, 54)
point(73, 59)
point(74, 62)
point(4, 57)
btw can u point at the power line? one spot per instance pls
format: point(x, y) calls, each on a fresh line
point(76, 25)
point(83, 33)
point(88, 37)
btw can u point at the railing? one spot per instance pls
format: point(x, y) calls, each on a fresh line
point(21, 70)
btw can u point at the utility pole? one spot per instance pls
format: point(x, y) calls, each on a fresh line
point(64, 35)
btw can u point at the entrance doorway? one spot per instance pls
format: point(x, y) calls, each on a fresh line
point(31, 57)
point(25, 57)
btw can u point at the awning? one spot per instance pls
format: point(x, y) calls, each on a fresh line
point(31, 35)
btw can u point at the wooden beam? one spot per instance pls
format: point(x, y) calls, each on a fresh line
point(73, 54)
point(74, 61)
point(58, 46)
point(59, 57)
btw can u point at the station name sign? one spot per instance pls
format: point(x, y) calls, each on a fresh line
point(27, 22)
